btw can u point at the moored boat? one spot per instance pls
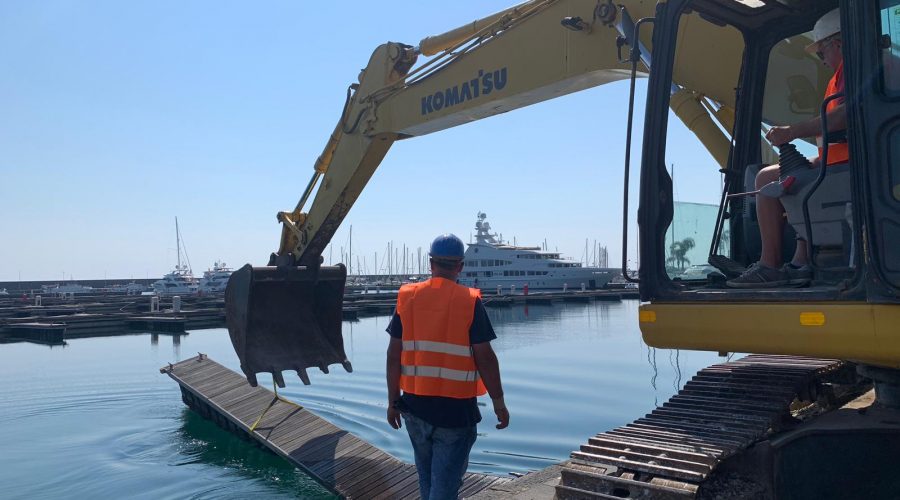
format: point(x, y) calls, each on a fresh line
point(216, 279)
point(492, 263)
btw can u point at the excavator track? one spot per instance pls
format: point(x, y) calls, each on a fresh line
point(721, 411)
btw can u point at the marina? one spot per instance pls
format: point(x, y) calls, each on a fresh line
point(739, 340)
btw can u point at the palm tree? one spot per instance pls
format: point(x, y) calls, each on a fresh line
point(678, 252)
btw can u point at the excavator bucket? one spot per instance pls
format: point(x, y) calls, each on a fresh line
point(286, 318)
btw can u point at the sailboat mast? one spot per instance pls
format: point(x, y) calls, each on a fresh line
point(177, 243)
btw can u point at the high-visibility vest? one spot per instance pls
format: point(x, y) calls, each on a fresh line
point(838, 152)
point(437, 357)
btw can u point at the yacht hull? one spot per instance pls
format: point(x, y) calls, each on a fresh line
point(593, 281)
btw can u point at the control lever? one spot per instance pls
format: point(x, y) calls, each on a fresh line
point(774, 189)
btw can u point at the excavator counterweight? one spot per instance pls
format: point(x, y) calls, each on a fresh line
point(286, 318)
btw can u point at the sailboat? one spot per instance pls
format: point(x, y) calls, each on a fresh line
point(181, 280)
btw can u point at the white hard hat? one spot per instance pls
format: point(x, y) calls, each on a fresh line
point(826, 26)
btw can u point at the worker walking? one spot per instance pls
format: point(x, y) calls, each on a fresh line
point(440, 356)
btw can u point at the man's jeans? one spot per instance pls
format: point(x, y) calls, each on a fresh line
point(442, 455)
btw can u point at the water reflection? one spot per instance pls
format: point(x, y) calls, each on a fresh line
point(176, 343)
point(651, 359)
point(676, 365)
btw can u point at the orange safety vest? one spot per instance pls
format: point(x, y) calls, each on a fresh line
point(837, 152)
point(437, 357)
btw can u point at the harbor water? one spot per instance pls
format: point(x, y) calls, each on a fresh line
point(96, 419)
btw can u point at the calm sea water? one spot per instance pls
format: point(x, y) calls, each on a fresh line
point(96, 419)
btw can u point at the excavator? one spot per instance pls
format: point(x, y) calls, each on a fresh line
point(729, 70)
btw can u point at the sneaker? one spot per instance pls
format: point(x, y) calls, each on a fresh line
point(760, 276)
point(797, 276)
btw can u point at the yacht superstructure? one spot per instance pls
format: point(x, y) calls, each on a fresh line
point(489, 263)
point(214, 280)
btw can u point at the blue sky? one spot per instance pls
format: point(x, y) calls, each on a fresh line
point(115, 117)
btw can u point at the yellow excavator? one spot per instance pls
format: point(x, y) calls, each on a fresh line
point(286, 316)
point(729, 69)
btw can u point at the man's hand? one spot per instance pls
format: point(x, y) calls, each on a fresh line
point(393, 418)
point(502, 417)
point(501, 412)
point(780, 135)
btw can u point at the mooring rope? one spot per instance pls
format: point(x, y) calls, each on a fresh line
point(276, 399)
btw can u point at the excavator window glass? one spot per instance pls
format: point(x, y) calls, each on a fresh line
point(890, 33)
point(703, 100)
point(890, 36)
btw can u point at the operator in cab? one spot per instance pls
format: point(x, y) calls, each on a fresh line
point(440, 356)
point(770, 271)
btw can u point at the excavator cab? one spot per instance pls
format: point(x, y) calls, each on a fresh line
point(848, 213)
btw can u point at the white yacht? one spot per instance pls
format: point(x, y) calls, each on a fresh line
point(181, 280)
point(214, 280)
point(66, 288)
point(128, 289)
point(489, 263)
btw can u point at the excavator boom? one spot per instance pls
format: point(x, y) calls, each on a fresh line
point(535, 51)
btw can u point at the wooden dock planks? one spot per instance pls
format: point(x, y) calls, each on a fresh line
point(336, 458)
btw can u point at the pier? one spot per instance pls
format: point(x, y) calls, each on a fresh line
point(52, 319)
point(336, 458)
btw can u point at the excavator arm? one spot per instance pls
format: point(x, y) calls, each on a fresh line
point(533, 52)
point(287, 315)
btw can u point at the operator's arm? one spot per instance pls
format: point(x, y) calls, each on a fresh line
point(489, 369)
point(393, 380)
point(837, 120)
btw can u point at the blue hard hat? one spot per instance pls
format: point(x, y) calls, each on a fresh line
point(447, 246)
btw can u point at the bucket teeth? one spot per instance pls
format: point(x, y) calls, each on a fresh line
point(278, 378)
point(324, 368)
point(303, 376)
point(347, 366)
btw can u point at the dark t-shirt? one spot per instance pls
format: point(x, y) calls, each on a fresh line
point(439, 411)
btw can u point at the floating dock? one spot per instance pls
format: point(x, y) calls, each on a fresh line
point(43, 333)
point(340, 461)
point(157, 324)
